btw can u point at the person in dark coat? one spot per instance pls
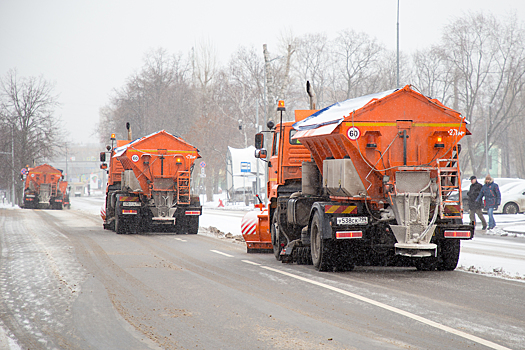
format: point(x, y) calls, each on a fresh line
point(490, 191)
point(475, 206)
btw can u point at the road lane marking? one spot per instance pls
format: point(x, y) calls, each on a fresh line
point(415, 317)
point(251, 262)
point(180, 239)
point(221, 253)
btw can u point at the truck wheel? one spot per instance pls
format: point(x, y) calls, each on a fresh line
point(277, 238)
point(345, 252)
point(192, 225)
point(321, 256)
point(448, 254)
point(120, 226)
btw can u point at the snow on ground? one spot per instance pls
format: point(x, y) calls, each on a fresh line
point(496, 257)
point(91, 204)
point(6, 205)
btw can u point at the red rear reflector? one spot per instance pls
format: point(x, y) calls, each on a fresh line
point(58, 200)
point(193, 212)
point(128, 199)
point(348, 234)
point(455, 234)
point(129, 211)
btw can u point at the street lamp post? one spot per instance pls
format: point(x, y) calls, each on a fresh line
point(13, 165)
point(265, 100)
point(12, 153)
point(487, 139)
point(257, 179)
point(398, 44)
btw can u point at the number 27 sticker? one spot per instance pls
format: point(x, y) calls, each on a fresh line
point(353, 133)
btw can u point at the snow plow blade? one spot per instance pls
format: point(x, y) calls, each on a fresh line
point(255, 231)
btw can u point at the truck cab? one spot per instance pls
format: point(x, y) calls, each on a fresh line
point(284, 179)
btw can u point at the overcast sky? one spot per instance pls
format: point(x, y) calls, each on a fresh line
point(88, 48)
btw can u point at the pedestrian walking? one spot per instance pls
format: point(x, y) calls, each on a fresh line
point(473, 204)
point(490, 191)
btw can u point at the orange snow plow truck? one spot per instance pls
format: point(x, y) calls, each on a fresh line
point(149, 185)
point(374, 190)
point(42, 188)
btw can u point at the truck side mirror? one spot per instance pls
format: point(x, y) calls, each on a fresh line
point(102, 156)
point(259, 140)
point(261, 153)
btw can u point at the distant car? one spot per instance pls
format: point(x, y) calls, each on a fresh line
point(504, 181)
point(454, 197)
point(512, 199)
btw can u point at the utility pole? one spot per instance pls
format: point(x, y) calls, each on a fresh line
point(66, 177)
point(257, 179)
point(398, 44)
point(12, 165)
point(13, 200)
point(487, 139)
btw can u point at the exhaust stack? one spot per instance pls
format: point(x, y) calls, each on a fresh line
point(128, 126)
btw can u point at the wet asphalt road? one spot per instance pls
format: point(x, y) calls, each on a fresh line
point(66, 283)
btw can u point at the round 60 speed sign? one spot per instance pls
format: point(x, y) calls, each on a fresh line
point(353, 133)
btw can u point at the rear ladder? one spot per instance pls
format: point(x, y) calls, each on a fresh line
point(449, 181)
point(183, 187)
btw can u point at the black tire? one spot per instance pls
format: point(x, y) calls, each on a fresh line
point(321, 252)
point(510, 208)
point(192, 225)
point(346, 256)
point(277, 238)
point(448, 250)
point(120, 224)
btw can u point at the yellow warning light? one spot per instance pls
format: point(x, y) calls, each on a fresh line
point(113, 137)
point(439, 142)
point(280, 106)
point(178, 160)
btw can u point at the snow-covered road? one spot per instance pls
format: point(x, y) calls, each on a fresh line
point(500, 253)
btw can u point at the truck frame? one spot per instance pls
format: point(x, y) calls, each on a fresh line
point(149, 185)
point(375, 189)
point(42, 189)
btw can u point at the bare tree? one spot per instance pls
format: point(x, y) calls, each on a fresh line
point(27, 121)
point(356, 57)
point(158, 97)
point(241, 98)
point(313, 64)
point(488, 60)
point(433, 74)
point(277, 75)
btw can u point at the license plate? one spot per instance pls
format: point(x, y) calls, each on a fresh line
point(355, 220)
point(131, 204)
